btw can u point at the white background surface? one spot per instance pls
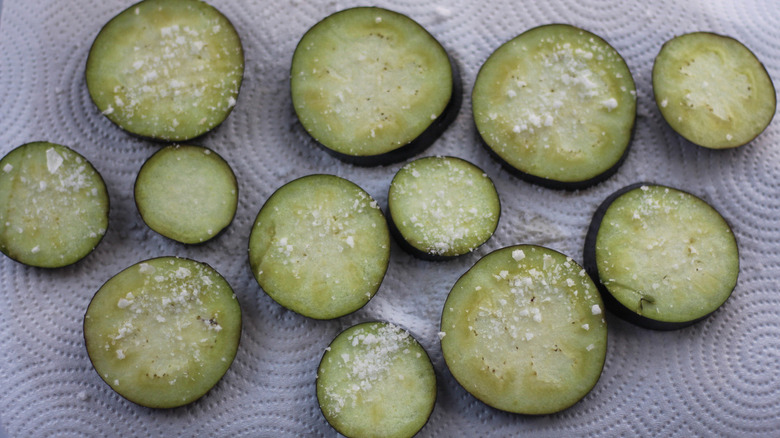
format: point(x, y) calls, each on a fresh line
point(719, 377)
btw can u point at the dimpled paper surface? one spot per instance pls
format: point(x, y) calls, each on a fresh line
point(719, 377)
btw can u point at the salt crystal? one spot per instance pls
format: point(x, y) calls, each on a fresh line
point(610, 103)
point(182, 272)
point(53, 160)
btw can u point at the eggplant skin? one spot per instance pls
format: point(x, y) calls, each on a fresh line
point(591, 267)
point(406, 246)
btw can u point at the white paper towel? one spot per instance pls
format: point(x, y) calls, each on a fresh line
point(719, 377)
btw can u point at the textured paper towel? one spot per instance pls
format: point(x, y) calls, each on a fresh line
point(720, 377)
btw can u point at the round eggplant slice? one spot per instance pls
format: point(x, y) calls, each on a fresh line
point(163, 332)
point(442, 207)
point(320, 246)
point(376, 380)
point(523, 331)
point(53, 205)
point(664, 259)
point(372, 86)
point(556, 105)
point(166, 69)
point(186, 193)
point(713, 90)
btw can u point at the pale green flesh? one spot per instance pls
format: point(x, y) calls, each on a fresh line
point(524, 331)
point(666, 255)
point(367, 81)
point(320, 246)
point(186, 193)
point(556, 102)
point(712, 90)
point(162, 332)
point(375, 380)
point(444, 205)
point(166, 69)
point(53, 205)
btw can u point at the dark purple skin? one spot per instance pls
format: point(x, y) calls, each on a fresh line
point(367, 322)
point(589, 263)
point(419, 144)
point(408, 248)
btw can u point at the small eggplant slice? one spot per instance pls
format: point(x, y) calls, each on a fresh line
point(442, 207)
point(53, 205)
point(713, 90)
point(186, 193)
point(376, 380)
point(320, 246)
